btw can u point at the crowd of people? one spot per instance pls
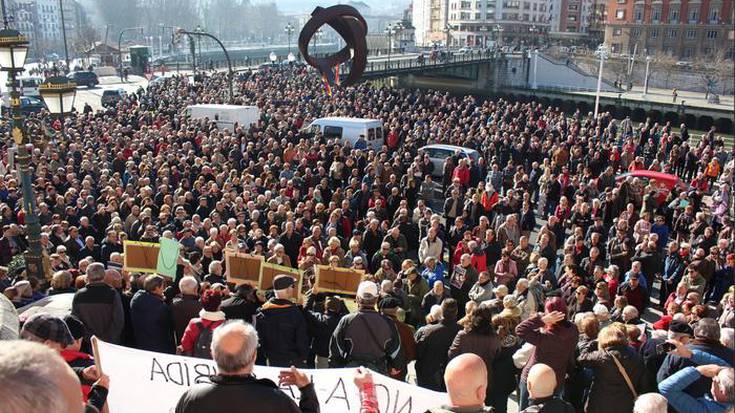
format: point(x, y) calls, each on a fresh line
point(529, 270)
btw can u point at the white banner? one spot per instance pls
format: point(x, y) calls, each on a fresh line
point(145, 381)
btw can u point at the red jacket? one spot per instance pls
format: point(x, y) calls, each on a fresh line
point(463, 173)
point(79, 359)
point(191, 334)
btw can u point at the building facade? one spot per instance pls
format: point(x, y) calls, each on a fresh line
point(40, 21)
point(480, 23)
point(684, 29)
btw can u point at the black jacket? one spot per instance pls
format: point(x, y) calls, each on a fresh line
point(284, 340)
point(251, 394)
point(366, 338)
point(549, 405)
point(239, 308)
point(432, 346)
point(100, 308)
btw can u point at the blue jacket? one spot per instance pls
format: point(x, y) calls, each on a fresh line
point(436, 275)
point(152, 323)
point(673, 363)
point(673, 267)
point(673, 387)
point(663, 235)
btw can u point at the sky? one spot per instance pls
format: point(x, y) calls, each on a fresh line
point(305, 6)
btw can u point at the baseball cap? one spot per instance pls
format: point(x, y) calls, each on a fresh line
point(48, 327)
point(283, 281)
point(367, 290)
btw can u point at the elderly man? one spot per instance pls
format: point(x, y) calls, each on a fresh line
point(650, 403)
point(186, 305)
point(282, 327)
point(37, 380)
point(99, 306)
point(541, 384)
point(234, 349)
point(466, 382)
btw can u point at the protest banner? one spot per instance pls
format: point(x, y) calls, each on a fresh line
point(337, 280)
point(140, 256)
point(270, 271)
point(243, 268)
point(168, 256)
point(158, 380)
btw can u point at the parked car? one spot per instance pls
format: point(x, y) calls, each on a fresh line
point(439, 153)
point(28, 105)
point(112, 97)
point(88, 79)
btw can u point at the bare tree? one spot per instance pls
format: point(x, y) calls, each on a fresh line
point(661, 62)
point(713, 69)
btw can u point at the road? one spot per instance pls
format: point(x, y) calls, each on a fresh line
point(93, 95)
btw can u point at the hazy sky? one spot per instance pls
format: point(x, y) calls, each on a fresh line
point(303, 6)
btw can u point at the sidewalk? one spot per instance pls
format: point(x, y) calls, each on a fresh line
point(691, 99)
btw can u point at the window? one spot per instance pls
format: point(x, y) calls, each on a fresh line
point(688, 53)
point(332, 132)
point(638, 12)
point(714, 13)
point(573, 7)
point(635, 33)
point(672, 33)
point(673, 14)
point(656, 14)
point(691, 34)
point(572, 18)
point(711, 34)
point(526, 6)
point(617, 31)
point(371, 134)
point(693, 13)
point(620, 14)
point(654, 34)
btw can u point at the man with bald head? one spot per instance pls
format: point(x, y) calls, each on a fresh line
point(466, 381)
point(541, 383)
point(234, 349)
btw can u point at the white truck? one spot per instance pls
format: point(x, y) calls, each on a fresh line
point(225, 115)
point(349, 129)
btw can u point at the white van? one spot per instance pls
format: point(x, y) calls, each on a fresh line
point(29, 85)
point(349, 129)
point(225, 115)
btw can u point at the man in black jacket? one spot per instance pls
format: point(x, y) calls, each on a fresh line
point(282, 328)
point(234, 349)
point(99, 306)
point(541, 383)
point(366, 337)
point(432, 346)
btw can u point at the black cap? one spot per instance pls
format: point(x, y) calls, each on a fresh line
point(76, 326)
point(48, 327)
point(389, 303)
point(680, 327)
point(283, 281)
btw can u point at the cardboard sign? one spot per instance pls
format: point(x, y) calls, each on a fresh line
point(243, 268)
point(338, 280)
point(270, 271)
point(140, 256)
point(160, 380)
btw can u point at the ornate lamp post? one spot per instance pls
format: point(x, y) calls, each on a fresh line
point(289, 29)
point(13, 52)
point(58, 93)
point(602, 53)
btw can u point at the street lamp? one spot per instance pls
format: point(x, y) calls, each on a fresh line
point(483, 30)
point(13, 52)
point(119, 46)
point(602, 53)
point(498, 30)
point(63, 31)
point(390, 31)
point(199, 29)
point(532, 30)
point(447, 32)
point(58, 93)
point(289, 29)
point(645, 80)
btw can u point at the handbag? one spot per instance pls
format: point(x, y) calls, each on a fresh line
point(622, 371)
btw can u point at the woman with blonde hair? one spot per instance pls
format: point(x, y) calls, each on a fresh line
point(618, 370)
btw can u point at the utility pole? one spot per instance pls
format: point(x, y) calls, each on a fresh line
point(63, 33)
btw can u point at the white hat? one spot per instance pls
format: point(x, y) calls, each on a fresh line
point(367, 290)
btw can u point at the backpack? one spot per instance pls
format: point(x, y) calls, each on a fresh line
point(202, 347)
